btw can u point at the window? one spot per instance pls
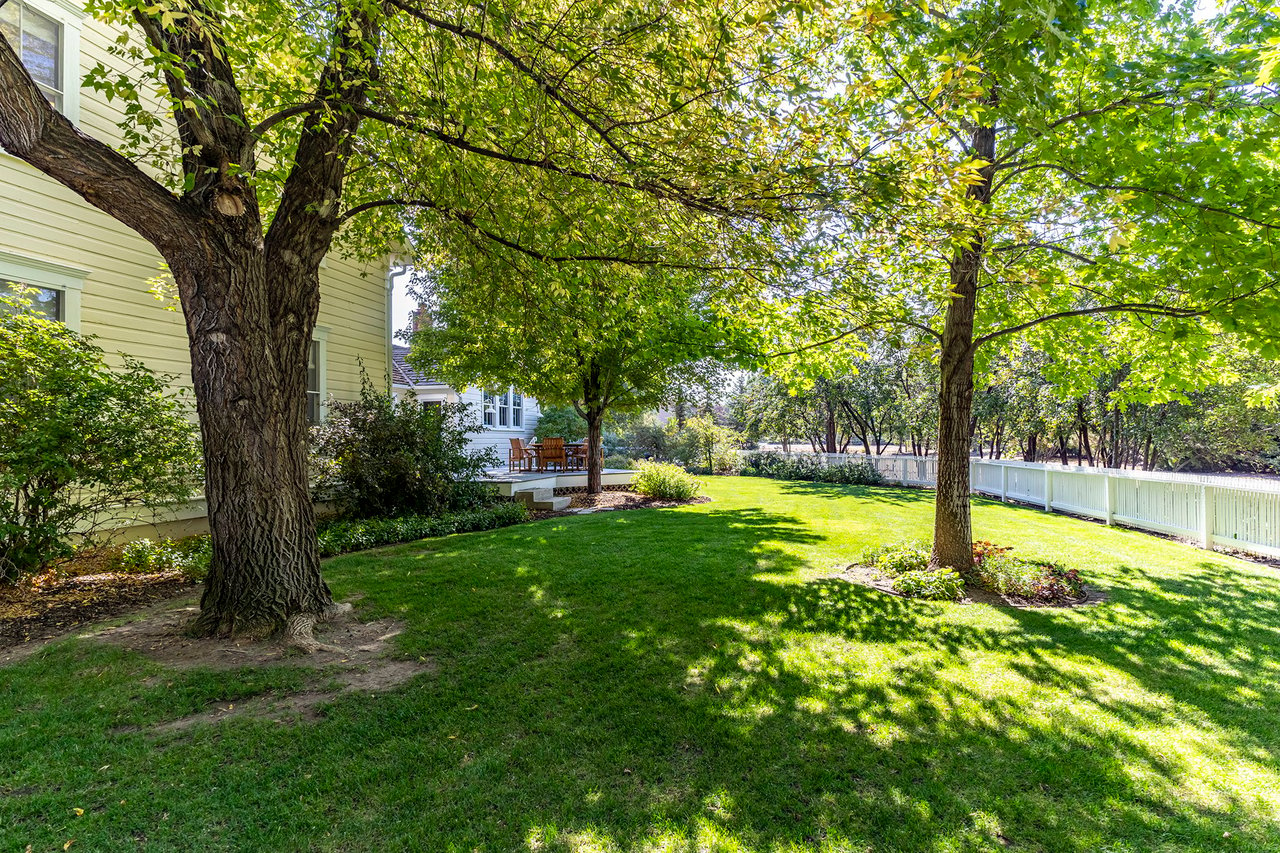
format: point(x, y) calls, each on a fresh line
point(504, 408)
point(46, 301)
point(53, 288)
point(313, 383)
point(37, 39)
point(490, 409)
point(46, 36)
point(317, 370)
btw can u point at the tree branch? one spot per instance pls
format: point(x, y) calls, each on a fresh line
point(1151, 309)
point(1079, 179)
point(32, 130)
point(470, 222)
point(544, 83)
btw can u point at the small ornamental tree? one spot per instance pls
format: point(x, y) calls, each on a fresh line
point(80, 443)
point(616, 339)
point(385, 457)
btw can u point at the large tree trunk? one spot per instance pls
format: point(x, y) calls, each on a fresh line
point(250, 388)
point(250, 300)
point(952, 526)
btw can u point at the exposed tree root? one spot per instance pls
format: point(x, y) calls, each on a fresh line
point(299, 633)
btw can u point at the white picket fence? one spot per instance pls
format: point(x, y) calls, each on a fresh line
point(1242, 514)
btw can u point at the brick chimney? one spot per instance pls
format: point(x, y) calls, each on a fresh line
point(421, 317)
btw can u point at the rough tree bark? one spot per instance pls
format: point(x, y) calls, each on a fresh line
point(249, 299)
point(952, 526)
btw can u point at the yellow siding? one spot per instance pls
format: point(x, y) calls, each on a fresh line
point(42, 220)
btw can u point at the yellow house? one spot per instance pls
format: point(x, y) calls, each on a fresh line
point(96, 275)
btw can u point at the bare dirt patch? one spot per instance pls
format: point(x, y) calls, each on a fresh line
point(360, 663)
point(973, 594)
point(357, 662)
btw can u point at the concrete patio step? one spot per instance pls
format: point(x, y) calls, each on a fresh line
point(543, 499)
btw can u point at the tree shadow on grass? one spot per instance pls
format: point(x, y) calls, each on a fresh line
point(662, 680)
point(888, 493)
point(693, 692)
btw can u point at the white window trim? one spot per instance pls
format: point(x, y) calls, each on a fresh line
point(498, 396)
point(41, 273)
point(71, 18)
point(321, 338)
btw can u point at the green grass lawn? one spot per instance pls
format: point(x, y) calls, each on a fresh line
point(694, 680)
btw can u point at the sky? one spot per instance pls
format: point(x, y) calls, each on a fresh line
point(401, 306)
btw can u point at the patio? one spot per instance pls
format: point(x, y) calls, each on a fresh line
point(509, 482)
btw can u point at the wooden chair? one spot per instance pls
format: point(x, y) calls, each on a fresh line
point(519, 457)
point(552, 453)
point(578, 457)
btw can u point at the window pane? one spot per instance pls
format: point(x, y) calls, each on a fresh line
point(490, 408)
point(313, 383)
point(52, 97)
point(313, 368)
point(517, 409)
point(44, 300)
point(9, 24)
point(40, 47)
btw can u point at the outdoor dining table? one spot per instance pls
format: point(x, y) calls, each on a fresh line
point(569, 446)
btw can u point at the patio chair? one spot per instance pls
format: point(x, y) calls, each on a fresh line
point(552, 453)
point(519, 457)
point(578, 457)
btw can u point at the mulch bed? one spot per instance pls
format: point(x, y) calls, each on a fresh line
point(50, 605)
point(627, 500)
point(973, 594)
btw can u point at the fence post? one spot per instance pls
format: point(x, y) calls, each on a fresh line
point(1109, 489)
point(1206, 517)
point(1004, 483)
point(1048, 489)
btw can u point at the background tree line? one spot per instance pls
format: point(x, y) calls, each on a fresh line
point(1028, 405)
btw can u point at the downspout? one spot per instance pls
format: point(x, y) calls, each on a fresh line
point(393, 271)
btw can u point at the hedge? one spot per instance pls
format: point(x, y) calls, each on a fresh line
point(341, 536)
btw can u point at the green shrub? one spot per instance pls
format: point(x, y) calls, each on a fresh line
point(619, 462)
point(81, 445)
point(560, 422)
point(190, 556)
point(933, 584)
point(896, 559)
point(811, 469)
point(383, 457)
point(1030, 579)
point(703, 445)
point(666, 482)
point(343, 535)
